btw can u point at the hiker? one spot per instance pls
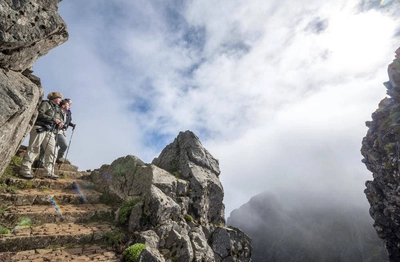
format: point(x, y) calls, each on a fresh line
point(65, 106)
point(43, 133)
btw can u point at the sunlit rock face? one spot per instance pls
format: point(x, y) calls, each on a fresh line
point(179, 213)
point(28, 30)
point(381, 151)
point(188, 159)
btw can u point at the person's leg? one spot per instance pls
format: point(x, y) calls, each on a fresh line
point(62, 143)
point(49, 143)
point(41, 156)
point(35, 139)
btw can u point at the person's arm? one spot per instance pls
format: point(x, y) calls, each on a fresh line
point(70, 120)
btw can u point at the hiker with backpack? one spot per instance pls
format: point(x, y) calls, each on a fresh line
point(65, 106)
point(43, 133)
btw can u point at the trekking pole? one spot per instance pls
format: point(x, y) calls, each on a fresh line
point(45, 148)
point(66, 154)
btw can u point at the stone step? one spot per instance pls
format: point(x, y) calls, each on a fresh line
point(35, 196)
point(45, 183)
point(40, 214)
point(39, 237)
point(65, 167)
point(64, 173)
point(72, 174)
point(73, 253)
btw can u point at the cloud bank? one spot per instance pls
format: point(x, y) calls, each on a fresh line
point(277, 91)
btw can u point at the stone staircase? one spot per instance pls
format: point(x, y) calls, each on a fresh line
point(54, 220)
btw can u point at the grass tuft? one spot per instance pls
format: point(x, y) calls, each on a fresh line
point(131, 254)
point(125, 210)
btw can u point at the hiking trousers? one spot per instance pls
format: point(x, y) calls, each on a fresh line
point(62, 143)
point(48, 142)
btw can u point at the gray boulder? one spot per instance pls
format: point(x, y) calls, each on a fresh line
point(147, 255)
point(202, 251)
point(151, 253)
point(28, 30)
point(129, 177)
point(155, 209)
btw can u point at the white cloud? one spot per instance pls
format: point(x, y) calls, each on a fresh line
point(277, 91)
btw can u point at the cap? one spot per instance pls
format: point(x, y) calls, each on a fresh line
point(54, 95)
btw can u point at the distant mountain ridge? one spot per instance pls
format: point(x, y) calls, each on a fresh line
point(296, 228)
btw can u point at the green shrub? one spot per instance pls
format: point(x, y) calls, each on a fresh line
point(3, 210)
point(132, 253)
point(8, 172)
point(176, 174)
point(119, 170)
point(25, 221)
point(11, 169)
point(44, 187)
point(109, 199)
point(11, 189)
point(6, 188)
point(113, 238)
point(125, 210)
point(53, 247)
point(25, 185)
point(16, 161)
point(390, 148)
point(189, 218)
point(4, 230)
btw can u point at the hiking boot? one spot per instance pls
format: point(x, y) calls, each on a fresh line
point(26, 175)
point(60, 160)
point(52, 176)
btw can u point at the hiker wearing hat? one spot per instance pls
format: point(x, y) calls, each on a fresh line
point(43, 133)
point(61, 141)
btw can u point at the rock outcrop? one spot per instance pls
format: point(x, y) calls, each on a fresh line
point(28, 30)
point(187, 158)
point(381, 151)
point(179, 215)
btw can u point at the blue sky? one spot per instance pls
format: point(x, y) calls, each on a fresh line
point(278, 91)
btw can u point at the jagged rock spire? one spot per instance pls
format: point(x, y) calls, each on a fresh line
point(188, 159)
point(186, 149)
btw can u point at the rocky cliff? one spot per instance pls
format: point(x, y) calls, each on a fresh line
point(381, 151)
point(179, 214)
point(28, 30)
